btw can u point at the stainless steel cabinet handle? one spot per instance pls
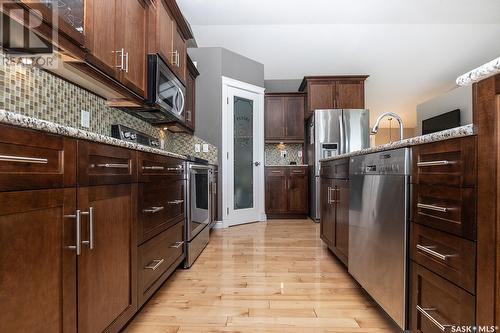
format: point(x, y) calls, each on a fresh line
point(434, 163)
point(176, 245)
point(153, 210)
point(179, 168)
point(429, 250)
point(126, 61)
point(330, 200)
point(122, 59)
point(22, 159)
point(175, 202)
point(153, 167)
point(433, 207)
point(153, 265)
point(78, 246)
point(110, 166)
point(275, 171)
point(426, 314)
point(90, 214)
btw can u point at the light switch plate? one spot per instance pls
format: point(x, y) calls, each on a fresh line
point(197, 148)
point(85, 119)
point(283, 153)
point(205, 148)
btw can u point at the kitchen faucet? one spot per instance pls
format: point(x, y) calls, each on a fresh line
point(389, 114)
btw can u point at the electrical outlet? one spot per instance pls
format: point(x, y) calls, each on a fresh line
point(283, 153)
point(85, 119)
point(300, 153)
point(197, 148)
point(205, 148)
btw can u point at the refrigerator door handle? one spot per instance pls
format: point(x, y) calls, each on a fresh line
point(342, 148)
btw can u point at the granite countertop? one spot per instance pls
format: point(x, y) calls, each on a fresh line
point(15, 119)
point(457, 132)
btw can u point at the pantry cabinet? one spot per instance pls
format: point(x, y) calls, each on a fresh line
point(333, 92)
point(284, 117)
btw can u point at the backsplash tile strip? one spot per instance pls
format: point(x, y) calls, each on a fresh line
point(273, 154)
point(36, 93)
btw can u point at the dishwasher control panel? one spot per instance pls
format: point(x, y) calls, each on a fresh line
point(388, 162)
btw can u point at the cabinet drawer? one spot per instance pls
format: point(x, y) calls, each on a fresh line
point(450, 162)
point(157, 255)
point(100, 164)
point(450, 209)
point(154, 167)
point(337, 169)
point(452, 257)
point(275, 172)
point(437, 304)
point(161, 205)
point(35, 160)
point(297, 171)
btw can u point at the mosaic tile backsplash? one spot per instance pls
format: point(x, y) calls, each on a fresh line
point(36, 93)
point(273, 154)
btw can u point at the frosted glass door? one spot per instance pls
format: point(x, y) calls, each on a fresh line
point(243, 153)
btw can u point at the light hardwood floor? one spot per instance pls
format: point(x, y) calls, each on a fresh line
point(263, 277)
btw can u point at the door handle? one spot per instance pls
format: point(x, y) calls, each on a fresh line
point(176, 245)
point(433, 207)
point(111, 165)
point(23, 159)
point(426, 314)
point(256, 163)
point(90, 214)
point(153, 210)
point(175, 202)
point(429, 250)
point(153, 167)
point(434, 163)
point(122, 59)
point(153, 265)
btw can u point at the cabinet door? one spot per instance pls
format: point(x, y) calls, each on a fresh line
point(164, 32)
point(107, 284)
point(190, 100)
point(37, 267)
point(342, 216)
point(321, 96)
point(132, 32)
point(327, 213)
point(276, 191)
point(297, 191)
point(275, 118)
point(294, 114)
point(180, 54)
point(349, 95)
point(100, 25)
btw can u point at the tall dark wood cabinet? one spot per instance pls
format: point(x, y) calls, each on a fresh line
point(287, 194)
point(334, 207)
point(334, 92)
point(284, 117)
point(190, 109)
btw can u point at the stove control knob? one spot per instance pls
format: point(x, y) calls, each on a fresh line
point(133, 136)
point(127, 135)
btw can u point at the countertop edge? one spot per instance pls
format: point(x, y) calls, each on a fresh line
point(458, 132)
point(286, 166)
point(15, 119)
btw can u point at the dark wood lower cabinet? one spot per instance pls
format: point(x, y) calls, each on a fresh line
point(327, 213)
point(107, 278)
point(438, 305)
point(342, 218)
point(37, 266)
point(287, 192)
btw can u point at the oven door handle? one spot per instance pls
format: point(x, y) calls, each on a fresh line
point(200, 167)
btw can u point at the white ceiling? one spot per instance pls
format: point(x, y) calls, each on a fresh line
point(413, 50)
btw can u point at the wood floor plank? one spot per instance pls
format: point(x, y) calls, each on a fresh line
point(267, 277)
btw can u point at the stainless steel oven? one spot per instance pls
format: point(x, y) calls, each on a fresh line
point(198, 210)
point(166, 94)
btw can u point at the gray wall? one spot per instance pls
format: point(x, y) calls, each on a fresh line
point(282, 85)
point(458, 98)
point(213, 63)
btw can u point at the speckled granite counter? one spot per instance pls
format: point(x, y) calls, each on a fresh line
point(438, 136)
point(15, 119)
point(287, 165)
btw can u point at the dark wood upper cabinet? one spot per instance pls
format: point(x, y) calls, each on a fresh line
point(37, 265)
point(284, 117)
point(334, 92)
point(192, 74)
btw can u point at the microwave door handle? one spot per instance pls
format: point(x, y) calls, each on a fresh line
point(183, 101)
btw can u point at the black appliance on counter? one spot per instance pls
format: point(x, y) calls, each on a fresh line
point(131, 135)
point(442, 122)
point(166, 99)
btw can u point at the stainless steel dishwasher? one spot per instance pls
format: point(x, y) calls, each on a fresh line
point(378, 228)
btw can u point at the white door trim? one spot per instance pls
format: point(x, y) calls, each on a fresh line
point(259, 155)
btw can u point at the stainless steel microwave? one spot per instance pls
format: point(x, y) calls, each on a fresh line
point(166, 94)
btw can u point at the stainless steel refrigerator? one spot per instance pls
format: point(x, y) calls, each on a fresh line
point(330, 133)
